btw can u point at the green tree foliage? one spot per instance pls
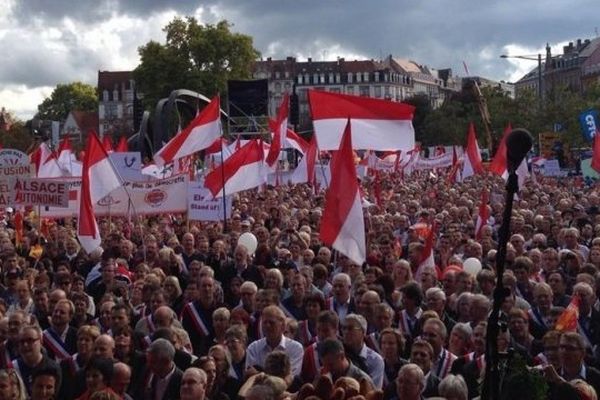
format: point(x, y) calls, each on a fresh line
point(66, 98)
point(17, 137)
point(196, 57)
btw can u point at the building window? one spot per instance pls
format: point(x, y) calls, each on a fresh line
point(376, 76)
point(349, 77)
point(287, 75)
point(299, 79)
point(288, 87)
point(306, 79)
point(277, 87)
point(363, 90)
point(322, 78)
point(377, 90)
point(331, 77)
point(277, 75)
point(366, 77)
point(105, 95)
point(358, 77)
point(315, 79)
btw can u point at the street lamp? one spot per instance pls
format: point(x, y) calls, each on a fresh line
point(532, 58)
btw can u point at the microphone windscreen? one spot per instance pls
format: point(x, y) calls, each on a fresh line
point(518, 143)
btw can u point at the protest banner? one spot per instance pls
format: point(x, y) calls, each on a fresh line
point(128, 165)
point(13, 163)
point(441, 161)
point(203, 207)
point(133, 198)
point(38, 192)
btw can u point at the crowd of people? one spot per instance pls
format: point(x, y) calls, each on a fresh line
point(172, 309)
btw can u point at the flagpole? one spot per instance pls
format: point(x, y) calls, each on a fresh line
point(223, 169)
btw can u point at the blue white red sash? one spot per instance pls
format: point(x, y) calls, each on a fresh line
point(534, 313)
point(150, 324)
point(406, 325)
point(445, 364)
point(55, 343)
point(197, 319)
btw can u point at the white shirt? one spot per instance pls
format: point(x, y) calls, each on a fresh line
point(259, 350)
point(160, 387)
point(375, 365)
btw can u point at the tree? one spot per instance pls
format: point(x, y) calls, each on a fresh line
point(66, 98)
point(17, 137)
point(196, 57)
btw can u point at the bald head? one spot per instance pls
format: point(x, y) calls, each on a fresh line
point(163, 317)
point(104, 346)
point(193, 384)
point(121, 377)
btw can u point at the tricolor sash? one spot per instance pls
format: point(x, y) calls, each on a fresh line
point(445, 364)
point(55, 343)
point(406, 325)
point(196, 317)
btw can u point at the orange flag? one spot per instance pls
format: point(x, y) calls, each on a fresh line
point(18, 228)
point(568, 319)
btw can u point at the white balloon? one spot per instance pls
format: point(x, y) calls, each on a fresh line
point(472, 266)
point(248, 240)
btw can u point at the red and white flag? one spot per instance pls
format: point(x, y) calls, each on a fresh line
point(484, 214)
point(499, 164)
point(198, 135)
point(472, 158)
point(305, 171)
point(454, 173)
point(67, 159)
point(46, 162)
point(122, 146)
point(99, 178)
point(294, 141)
point(279, 132)
point(376, 124)
point(242, 171)
point(427, 258)
point(342, 224)
point(596, 153)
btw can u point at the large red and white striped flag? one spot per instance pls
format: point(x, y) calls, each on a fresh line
point(99, 178)
point(243, 170)
point(472, 159)
point(305, 171)
point(342, 224)
point(198, 135)
point(484, 214)
point(67, 159)
point(454, 173)
point(376, 124)
point(295, 141)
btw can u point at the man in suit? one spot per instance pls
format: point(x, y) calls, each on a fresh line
point(60, 339)
point(162, 378)
point(572, 349)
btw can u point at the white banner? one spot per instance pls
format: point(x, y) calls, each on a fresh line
point(202, 206)
point(128, 165)
point(442, 161)
point(39, 192)
point(153, 197)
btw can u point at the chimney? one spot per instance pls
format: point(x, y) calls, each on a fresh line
point(269, 59)
point(578, 43)
point(309, 59)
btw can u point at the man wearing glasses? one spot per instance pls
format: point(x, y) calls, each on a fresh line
point(409, 383)
point(354, 330)
point(571, 352)
point(31, 357)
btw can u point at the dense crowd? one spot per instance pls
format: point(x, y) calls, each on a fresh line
point(173, 309)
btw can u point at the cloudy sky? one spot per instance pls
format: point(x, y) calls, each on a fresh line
point(46, 42)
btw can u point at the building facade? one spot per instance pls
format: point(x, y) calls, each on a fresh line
point(116, 103)
point(389, 79)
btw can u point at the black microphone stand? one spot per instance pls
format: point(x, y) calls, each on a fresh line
point(492, 381)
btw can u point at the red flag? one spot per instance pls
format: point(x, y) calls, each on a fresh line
point(98, 180)
point(243, 170)
point(453, 174)
point(107, 143)
point(122, 146)
point(596, 152)
point(484, 214)
point(305, 171)
point(376, 124)
point(19, 230)
point(280, 129)
point(198, 135)
point(567, 321)
point(472, 159)
point(498, 164)
point(342, 224)
point(427, 259)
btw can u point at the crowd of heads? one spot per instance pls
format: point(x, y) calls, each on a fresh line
point(169, 308)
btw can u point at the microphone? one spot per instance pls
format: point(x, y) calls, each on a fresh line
point(518, 143)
